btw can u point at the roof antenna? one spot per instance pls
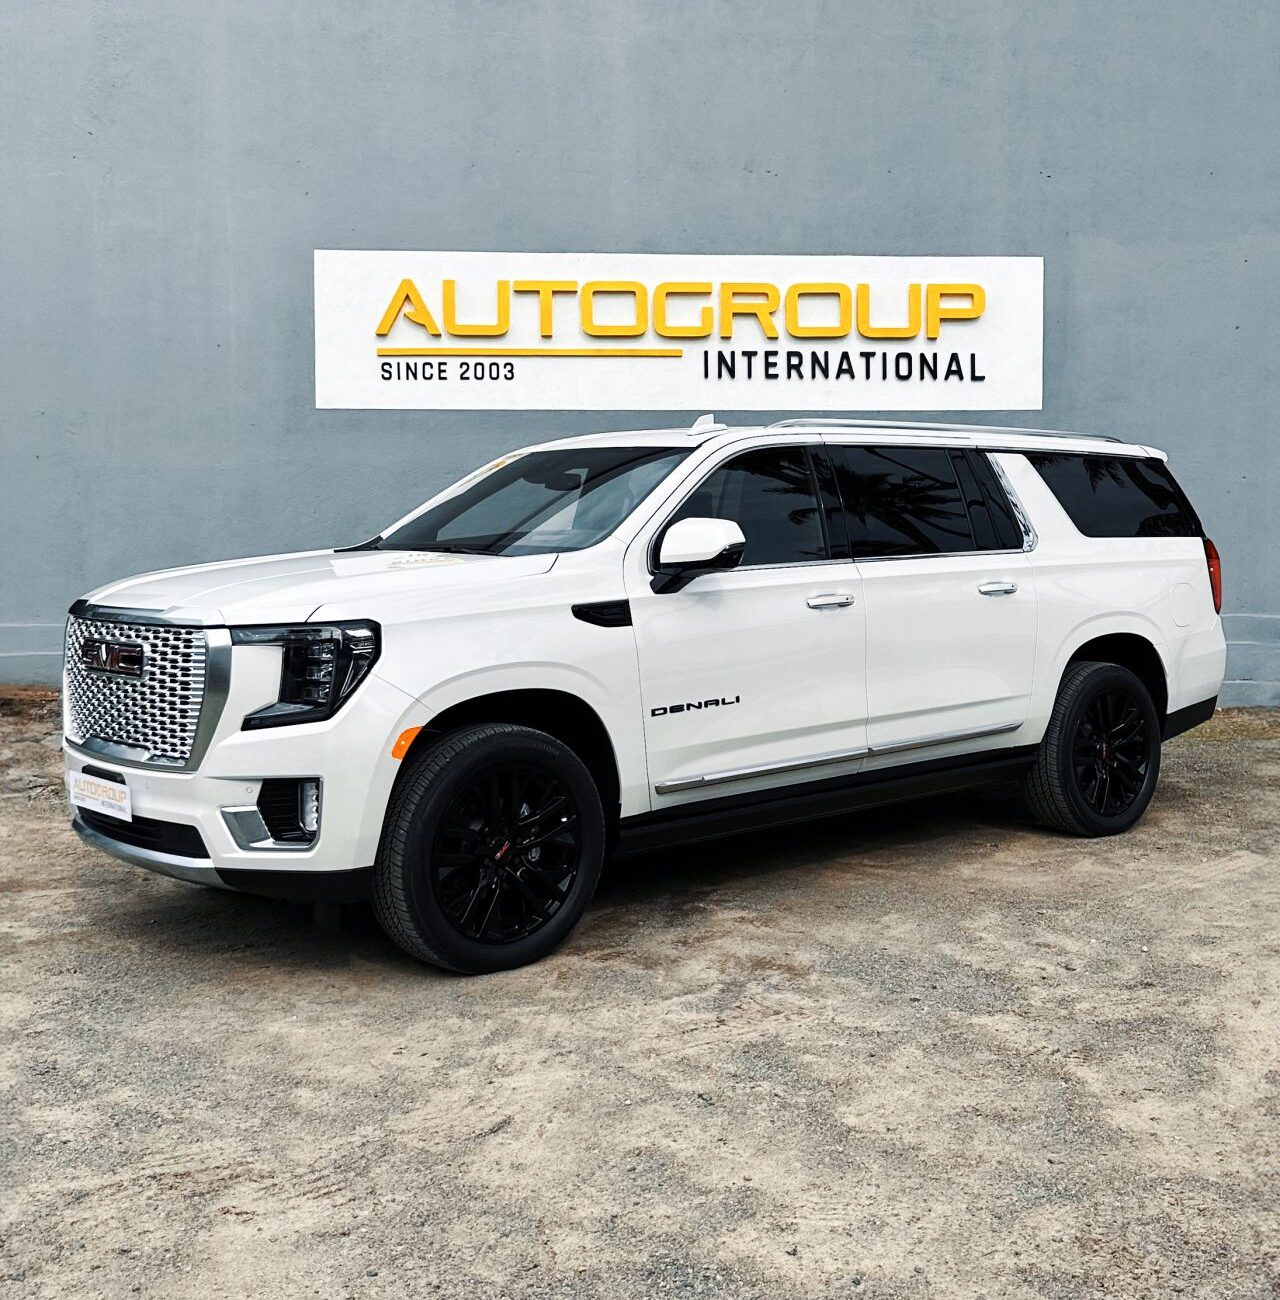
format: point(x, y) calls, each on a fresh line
point(706, 424)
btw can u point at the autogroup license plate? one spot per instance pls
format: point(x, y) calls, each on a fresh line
point(99, 795)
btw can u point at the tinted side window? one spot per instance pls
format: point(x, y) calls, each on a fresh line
point(901, 500)
point(770, 495)
point(1117, 496)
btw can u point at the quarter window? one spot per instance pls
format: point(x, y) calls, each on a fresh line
point(770, 495)
point(901, 500)
point(1118, 496)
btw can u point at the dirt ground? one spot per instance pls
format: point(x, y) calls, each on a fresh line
point(928, 1051)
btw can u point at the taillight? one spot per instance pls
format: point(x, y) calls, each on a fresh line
point(1214, 562)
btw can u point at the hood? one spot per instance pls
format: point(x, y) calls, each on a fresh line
point(290, 588)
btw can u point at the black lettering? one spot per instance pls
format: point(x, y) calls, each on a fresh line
point(954, 368)
point(845, 369)
point(820, 364)
point(749, 356)
point(726, 365)
point(898, 359)
point(795, 365)
point(973, 370)
point(867, 359)
point(386, 369)
point(676, 708)
point(771, 364)
point(929, 365)
point(658, 712)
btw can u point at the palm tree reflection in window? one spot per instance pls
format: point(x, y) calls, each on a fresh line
point(902, 502)
point(769, 495)
point(1117, 496)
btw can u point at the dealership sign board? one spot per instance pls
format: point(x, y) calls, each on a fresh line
point(645, 331)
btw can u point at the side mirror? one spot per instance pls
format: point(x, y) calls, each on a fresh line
point(693, 546)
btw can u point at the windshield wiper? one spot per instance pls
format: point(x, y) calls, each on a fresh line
point(444, 548)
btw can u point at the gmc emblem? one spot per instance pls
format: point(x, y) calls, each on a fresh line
point(118, 657)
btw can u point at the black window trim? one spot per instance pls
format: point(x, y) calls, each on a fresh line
point(733, 453)
point(1030, 539)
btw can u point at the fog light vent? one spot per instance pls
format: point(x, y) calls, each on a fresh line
point(290, 809)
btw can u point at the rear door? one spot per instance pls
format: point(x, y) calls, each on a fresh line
point(949, 595)
point(753, 677)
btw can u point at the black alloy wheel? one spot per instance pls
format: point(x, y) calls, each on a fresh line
point(1111, 752)
point(506, 853)
point(491, 848)
point(1096, 768)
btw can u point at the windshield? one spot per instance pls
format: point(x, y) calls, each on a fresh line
point(559, 500)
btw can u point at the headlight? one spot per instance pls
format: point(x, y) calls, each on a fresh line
point(320, 665)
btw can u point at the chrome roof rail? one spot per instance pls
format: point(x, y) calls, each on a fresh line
point(916, 427)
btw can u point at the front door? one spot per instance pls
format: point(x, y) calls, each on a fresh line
point(752, 677)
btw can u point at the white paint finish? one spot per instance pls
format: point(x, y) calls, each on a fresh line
point(904, 658)
point(353, 289)
point(941, 655)
point(793, 676)
point(1182, 603)
point(697, 541)
point(1089, 587)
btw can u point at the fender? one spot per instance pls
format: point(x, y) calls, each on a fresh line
point(1049, 669)
point(620, 715)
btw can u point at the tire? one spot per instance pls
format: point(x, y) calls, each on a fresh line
point(1098, 764)
point(491, 849)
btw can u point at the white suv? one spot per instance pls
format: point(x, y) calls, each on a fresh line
point(612, 643)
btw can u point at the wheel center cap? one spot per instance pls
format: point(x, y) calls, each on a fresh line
point(501, 850)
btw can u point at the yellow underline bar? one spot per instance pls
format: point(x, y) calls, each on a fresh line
point(531, 352)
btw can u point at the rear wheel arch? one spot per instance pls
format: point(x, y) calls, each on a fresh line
point(1130, 650)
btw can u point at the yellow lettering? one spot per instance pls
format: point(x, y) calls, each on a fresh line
point(455, 326)
point(733, 302)
point(417, 311)
point(630, 330)
point(936, 313)
point(681, 288)
point(546, 291)
point(838, 291)
point(870, 331)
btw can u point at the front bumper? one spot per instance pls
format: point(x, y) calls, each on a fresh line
point(196, 871)
point(349, 753)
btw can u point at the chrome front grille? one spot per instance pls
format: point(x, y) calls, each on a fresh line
point(151, 718)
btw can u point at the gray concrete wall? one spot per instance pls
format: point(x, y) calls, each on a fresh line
point(168, 169)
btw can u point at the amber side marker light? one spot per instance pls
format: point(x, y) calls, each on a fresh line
point(403, 741)
point(1214, 562)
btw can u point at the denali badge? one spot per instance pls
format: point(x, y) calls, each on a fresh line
point(118, 657)
point(690, 705)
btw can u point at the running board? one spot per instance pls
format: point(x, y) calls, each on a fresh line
point(730, 814)
point(828, 760)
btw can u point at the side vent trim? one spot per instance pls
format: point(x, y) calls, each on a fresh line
point(605, 613)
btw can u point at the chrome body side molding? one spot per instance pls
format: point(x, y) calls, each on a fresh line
point(828, 760)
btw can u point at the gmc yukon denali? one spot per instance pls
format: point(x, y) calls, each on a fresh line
point(606, 644)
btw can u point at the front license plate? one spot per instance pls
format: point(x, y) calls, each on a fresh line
point(92, 792)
